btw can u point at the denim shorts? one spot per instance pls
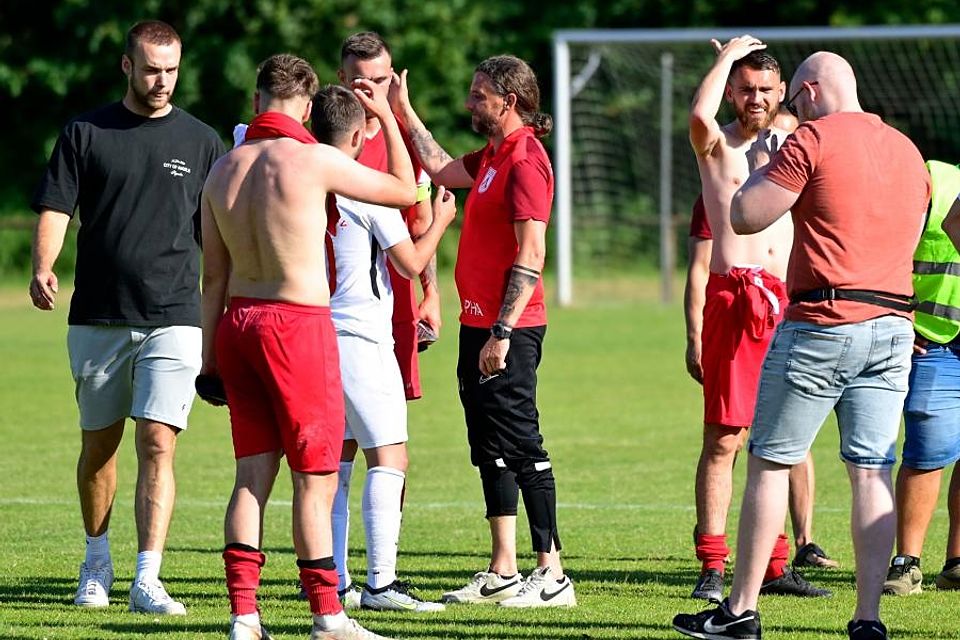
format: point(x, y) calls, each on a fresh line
point(931, 413)
point(859, 370)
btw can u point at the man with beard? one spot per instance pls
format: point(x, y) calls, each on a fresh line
point(745, 295)
point(136, 169)
point(845, 342)
point(503, 321)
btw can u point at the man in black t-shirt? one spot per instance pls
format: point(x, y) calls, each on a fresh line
point(135, 170)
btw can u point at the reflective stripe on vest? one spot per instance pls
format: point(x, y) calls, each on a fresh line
point(936, 263)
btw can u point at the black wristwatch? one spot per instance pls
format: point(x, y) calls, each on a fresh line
point(500, 331)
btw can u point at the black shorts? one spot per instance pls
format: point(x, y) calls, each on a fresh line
point(501, 413)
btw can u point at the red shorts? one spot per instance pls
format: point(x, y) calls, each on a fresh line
point(406, 313)
point(281, 370)
point(742, 311)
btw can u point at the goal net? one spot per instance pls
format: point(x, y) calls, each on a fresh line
point(626, 177)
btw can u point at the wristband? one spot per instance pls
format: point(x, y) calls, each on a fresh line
point(423, 191)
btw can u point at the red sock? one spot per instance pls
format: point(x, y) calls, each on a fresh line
point(778, 559)
point(321, 587)
point(242, 565)
point(712, 551)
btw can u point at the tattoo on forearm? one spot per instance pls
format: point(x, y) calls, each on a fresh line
point(521, 279)
point(429, 274)
point(426, 147)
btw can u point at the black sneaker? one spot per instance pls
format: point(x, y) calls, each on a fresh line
point(866, 630)
point(812, 555)
point(709, 586)
point(792, 583)
point(719, 624)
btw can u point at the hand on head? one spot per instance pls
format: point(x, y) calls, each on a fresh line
point(372, 97)
point(398, 95)
point(738, 47)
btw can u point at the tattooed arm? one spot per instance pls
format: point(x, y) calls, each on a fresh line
point(441, 166)
point(523, 278)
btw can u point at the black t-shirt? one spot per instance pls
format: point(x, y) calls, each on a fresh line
point(137, 183)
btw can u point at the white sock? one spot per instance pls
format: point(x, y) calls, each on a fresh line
point(331, 622)
point(250, 619)
point(341, 524)
point(148, 566)
point(382, 493)
point(98, 551)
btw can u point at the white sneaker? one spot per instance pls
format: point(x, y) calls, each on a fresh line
point(486, 587)
point(350, 597)
point(151, 597)
point(396, 597)
point(540, 589)
point(349, 631)
point(94, 588)
point(243, 631)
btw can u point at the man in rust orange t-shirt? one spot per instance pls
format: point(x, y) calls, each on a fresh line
point(858, 192)
point(503, 321)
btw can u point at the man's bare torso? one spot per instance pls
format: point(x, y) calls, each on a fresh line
point(722, 172)
point(269, 205)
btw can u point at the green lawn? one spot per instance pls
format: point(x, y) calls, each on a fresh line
point(622, 424)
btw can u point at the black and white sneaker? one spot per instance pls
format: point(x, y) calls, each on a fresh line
point(792, 583)
point(719, 624)
point(709, 586)
point(866, 630)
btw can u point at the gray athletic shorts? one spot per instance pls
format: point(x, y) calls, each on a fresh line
point(137, 372)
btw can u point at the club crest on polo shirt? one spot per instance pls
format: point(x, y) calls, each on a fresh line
point(487, 179)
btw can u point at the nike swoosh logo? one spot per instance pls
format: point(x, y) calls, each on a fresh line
point(486, 592)
point(547, 597)
point(709, 627)
point(410, 606)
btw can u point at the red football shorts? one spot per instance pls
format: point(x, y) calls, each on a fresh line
point(281, 370)
point(406, 313)
point(742, 311)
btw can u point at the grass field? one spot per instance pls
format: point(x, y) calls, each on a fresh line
point(621, 421)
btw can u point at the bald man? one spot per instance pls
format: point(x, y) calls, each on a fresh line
point(847, 337)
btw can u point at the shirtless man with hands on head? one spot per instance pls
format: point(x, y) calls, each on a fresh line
point(745, 295)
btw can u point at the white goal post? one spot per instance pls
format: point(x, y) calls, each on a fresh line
point(625, 176)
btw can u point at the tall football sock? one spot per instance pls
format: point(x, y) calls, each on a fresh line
point(341, 524)
point(148, 566)
point(778, 559)
point(382, 493)
point(712, 551)
point(98, 551)
point(319, 578)
point(242, 564)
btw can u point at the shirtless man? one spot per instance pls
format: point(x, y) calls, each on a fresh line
point(745, 294)
point(264, 218)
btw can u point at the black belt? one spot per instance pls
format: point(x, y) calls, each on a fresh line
point(868, 296)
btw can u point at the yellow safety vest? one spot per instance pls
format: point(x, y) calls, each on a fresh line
point(936, 263)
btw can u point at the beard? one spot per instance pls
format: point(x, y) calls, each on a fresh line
point(484, 124)
point(150, 100)
point(753, 124)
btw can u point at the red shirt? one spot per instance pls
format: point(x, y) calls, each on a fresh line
point(699, 225)
point(863, 197)
point(512, 184)
point(374, 155)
